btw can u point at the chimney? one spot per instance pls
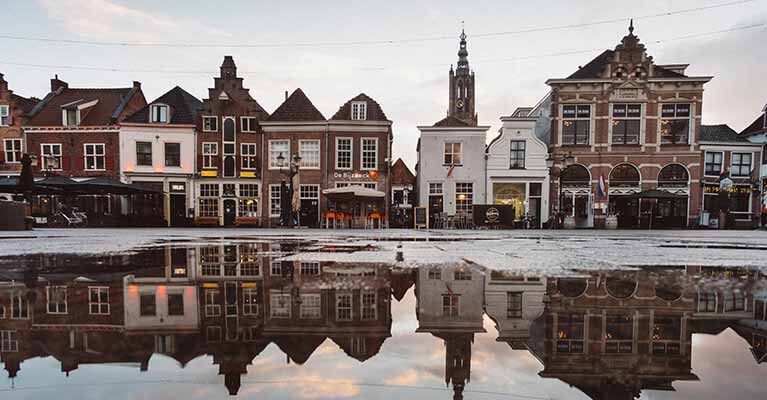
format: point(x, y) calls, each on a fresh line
point(56, 83)
point(137, 84)
point(3, 84)
point(286, 95)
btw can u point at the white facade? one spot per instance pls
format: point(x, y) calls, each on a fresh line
point(175, 180)
point(450, 298)
point(513, 302)
point(517, 174)
point(435, 169)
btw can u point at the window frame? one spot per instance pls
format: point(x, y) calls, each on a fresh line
point(363, 154)
point(140, 157)
point(58, 157)
point(614, 121)
point(16, 153)
point(100, 291)
point(57, 310)
point(706, 163)
point(214, 118)
point(95, 155)
point(452, 154)
point(7, 115)
point(9, 341)
point(514, 299)
point(183, 305)
point(303, 153)
point(211, 302)
point(365, 309)
point(250, 125)
point(165, 153)
point(359, 110)
point(689, 119)
point(577, 120)
point(740, 165)
point(466, 205)
point(338, 152)
point(273, 200)
point(287, 310)
point(313, 312)
point(274, 154)
point(350, 308)
point(513, 152)
point(155, 117)
point(454, 306)
point(147, 295)
point(250, 304)
point(248, 161)
point(207, 156)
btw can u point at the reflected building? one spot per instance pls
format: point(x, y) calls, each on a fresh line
point(514, 302)
point(450, 306)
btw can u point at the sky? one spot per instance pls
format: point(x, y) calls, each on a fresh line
point(315, 45)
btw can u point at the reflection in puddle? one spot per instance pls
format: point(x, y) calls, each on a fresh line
point(608, 334)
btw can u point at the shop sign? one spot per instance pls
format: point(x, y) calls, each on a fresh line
point(492, 214)
point(715, 188)
point(356, 175)
point(178, 187)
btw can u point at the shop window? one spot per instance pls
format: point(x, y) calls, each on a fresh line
point(666, 335)
point(626, 123)
point(576, 124)
point(248, 200)
point(464, 197)
point(619, 334)
point(675, 123)
point(570, 333)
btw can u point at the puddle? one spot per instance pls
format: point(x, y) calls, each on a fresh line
point(208, 318)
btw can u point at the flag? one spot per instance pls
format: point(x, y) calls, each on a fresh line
point(450, 171)
point(601, 189)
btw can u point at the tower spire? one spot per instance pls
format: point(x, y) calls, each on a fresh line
point(631, 27)
point(463, 53)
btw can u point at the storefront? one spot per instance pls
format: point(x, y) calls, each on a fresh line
point(524, 198)
point(576, 197)
point(737, 202)
point(228, 203)
point(623, 183)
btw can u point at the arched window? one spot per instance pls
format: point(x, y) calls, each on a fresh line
point(621, 287)
point(229, 130)
point(625, 175)
point(229, 169)
point(571, 287)
point(673, 175)
point(575, 175)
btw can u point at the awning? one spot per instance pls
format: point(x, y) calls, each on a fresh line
point(109, 186)
point(349, 192)
point(656, 194)
point(11, 185)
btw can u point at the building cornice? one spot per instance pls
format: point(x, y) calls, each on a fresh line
point(560, 81)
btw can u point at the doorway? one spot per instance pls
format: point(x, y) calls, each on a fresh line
point(626, 209)
point(309, 213)
point(435, 209)
point(178, 210)
point(230, 212)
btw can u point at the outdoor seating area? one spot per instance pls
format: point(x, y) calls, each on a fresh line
point(457, 221)
point(354, 207)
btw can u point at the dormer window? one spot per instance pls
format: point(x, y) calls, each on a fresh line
point(71, 116)
point(160, 114)
point(359, 110)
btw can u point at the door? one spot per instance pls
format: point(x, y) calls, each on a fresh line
point(310, 214)
point(435, 208)
point(230, 212)
point(178, 210)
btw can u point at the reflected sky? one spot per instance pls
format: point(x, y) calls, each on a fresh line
point(437, 332)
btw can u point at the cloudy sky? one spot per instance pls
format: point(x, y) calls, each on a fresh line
point(283, 45)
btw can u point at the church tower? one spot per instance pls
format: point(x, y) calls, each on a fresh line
point(462, 87)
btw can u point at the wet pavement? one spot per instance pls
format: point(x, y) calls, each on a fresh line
point(487, 316)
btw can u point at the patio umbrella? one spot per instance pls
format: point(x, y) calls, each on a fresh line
point(109, 186)
point(353, 191)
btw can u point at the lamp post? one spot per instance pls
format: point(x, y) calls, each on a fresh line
point(287, 214)
point(566, 160)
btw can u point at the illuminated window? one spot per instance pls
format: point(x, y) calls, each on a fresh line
point(570, 333)
point(464, 197)
point(619, 334)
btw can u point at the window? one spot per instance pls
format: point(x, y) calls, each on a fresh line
point(451, 305)
point(213, 334)
point(250, 301)
point(435, 188)
point(248, 124)
point(619, 332)
point(275, 193)
point(343, 153)
point(514, 305)
point(275, 268)
point(148, 305)
point(309, 151)
point(212, 303)
point(569, 333)
point(280, 305)
point(626, 123)
point(210, 124)
point(13, 151)
point(517, 154)
point(98, 300)
point(172, 154)
point(713, 163)
point(707, 302)
point(369, 153)
point(248, 200)
point(175, 304)
point(208, 200)
point(435, 273)
point(5, 115)
point(343, 306)
point(462, 275)
point(9, 341)
point(51, 156)
point(576, 125)
point(359, 110)
point(279, 148)
point(160, 114)
point(71, 116)
point(250, 268)
point(210, 155)
point(734, 301)
point(248, 156)
point(94, 157)
point(310, 306)
point(464, 197)
point(452, 154)
point(369, 309)
point(310, 268)
point(673, 175)
point(56, 299)
point(19, 306)
point(675, 123)
point(666, 335)
point(144, 153)
point(740, 164)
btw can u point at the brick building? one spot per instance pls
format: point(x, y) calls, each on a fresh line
point(229, 152)
point(635, 126)
point(12, 117)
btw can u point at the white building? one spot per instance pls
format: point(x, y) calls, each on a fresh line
point(513, 302)
point(451, 167)
point(517, 174)
point(757, 133)
point(157, 149)
point(450, 298)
